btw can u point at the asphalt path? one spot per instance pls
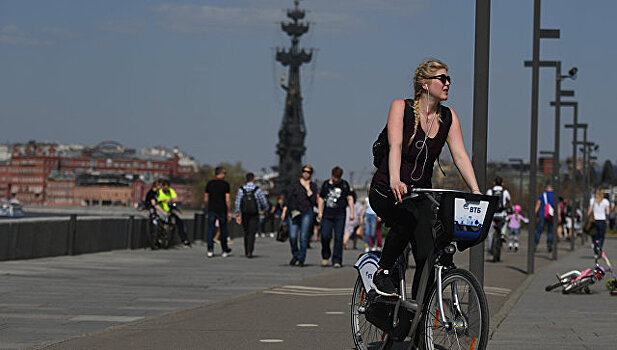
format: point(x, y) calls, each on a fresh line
point(180, 299)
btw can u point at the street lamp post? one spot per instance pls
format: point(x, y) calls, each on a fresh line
point(520, 180)
point(558, 94)
point(533, 157)
point(574, 127)
point(584, 126)
point(557, 183)
point(480, 116)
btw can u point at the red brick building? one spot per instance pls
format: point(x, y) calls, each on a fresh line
point(26, 175)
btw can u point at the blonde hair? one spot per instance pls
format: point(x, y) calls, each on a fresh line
point(599, 195)
point(423, 71)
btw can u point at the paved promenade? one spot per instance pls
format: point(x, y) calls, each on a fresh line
point(551, 320)
point(180, 299)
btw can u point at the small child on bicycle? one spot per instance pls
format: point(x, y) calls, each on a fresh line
point(514, 226)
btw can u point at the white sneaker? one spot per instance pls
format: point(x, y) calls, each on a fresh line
point(367, 249)
point(210, 254)
point(226, 254)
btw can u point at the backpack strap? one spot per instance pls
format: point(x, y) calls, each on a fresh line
point(447, 122)
point(407, 120)
point(447, 117)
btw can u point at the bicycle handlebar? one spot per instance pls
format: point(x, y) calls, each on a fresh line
point(413, 192)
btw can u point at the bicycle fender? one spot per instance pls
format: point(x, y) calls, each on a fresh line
point(367, 265)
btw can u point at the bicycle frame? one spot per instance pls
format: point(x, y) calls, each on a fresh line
point(367, 265)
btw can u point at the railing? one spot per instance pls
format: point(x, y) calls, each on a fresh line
point(29, 238)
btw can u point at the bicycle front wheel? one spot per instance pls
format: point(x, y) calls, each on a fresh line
point(366, 336)
point(465, 311)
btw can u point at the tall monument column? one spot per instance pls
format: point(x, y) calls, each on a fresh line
point(290, 147)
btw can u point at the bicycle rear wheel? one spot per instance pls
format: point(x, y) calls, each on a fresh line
point(465, 310)
point(153, 232)
point(496, 247)
point(366, 336)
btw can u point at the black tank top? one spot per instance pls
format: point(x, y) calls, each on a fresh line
point(414, 155)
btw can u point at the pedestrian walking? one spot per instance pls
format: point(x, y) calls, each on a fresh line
point(353, 228)
point(599, 209)
point(250, 204)
point(218, 202)
point(369, 221)
point(545, 212)
point(334, 196)
point(298, 211)
point(275, 215)
point(417, 130)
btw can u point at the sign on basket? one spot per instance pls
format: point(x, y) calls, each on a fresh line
point(468, 218)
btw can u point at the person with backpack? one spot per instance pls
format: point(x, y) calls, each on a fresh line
point(545, 212)
point(250, 202)
point(416, 132)
point(499, 219)
point(298, 210)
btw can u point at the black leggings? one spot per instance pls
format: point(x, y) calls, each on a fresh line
point(409, 222)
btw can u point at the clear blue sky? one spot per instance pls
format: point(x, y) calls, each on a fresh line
point(201, 75)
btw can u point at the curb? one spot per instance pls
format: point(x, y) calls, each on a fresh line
point(509, 304)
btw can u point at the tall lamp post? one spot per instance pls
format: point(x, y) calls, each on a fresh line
point(574, 127)
point(533, 157)
point(480, 115)
point(583, 203)
point(558, 94)
point(520, 179)
point(557, 182)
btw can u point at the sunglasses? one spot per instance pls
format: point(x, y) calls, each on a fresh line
point(307, 171)
point(442, 77)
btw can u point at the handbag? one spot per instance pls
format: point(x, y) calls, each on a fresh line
point(548, 208)
point(588, 227)
point(283, 233)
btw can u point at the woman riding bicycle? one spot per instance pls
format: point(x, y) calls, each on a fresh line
point(413, 148)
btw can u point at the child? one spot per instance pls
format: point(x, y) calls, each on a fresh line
point(514, 225)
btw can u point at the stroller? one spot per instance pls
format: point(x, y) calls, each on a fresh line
point(579, 281)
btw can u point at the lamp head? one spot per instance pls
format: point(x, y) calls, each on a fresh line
point(572, 72)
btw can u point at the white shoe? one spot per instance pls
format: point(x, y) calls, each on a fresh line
point(210, 254)
point(367, 249)
point(225, 254)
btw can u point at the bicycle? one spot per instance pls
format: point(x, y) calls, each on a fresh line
point(163, 227)
point(579, 281)
point(454, 312)
point(499, 238)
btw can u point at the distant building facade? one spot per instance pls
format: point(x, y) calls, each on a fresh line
point(105, 174)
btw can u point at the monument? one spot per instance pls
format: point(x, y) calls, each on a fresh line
point(290, 147)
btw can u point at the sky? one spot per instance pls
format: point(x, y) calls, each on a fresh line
point(201, 75)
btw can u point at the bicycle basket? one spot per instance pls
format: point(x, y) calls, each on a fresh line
point(466, 218)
